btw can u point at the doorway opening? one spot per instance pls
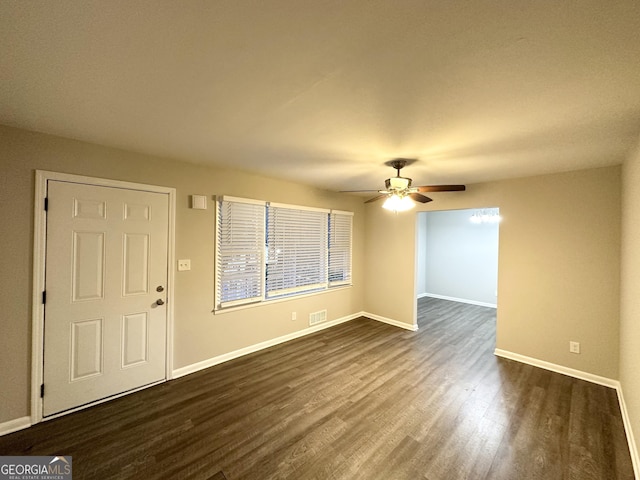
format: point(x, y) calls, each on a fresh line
point(457, 257)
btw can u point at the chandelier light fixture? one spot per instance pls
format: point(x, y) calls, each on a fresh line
point(486, 215)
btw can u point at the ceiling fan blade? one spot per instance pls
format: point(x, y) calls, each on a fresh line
point(377, 198)
point(419, 198)
point(356, 191)
point(441, 188)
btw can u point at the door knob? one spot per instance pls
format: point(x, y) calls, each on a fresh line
point(159, 302)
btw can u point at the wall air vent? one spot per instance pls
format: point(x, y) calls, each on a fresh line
point(317, 317)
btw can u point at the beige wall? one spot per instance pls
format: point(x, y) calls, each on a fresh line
point(630, 294)
point(558, 270)
point(559, 264)
point(199, 335)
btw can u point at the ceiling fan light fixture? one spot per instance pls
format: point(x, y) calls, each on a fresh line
point(396, 203)
point(398, 183)
point(400, 195)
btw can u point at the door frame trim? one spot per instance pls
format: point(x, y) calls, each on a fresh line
point(39, 261)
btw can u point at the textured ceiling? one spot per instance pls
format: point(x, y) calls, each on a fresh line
point(324, 92)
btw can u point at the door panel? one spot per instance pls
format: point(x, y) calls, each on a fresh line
point(106, 255)
point(87, 282)
point(135, 340)
point(135, 276)
point(87, 348)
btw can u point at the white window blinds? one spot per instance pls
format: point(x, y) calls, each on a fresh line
point(340, 227)
point(240, 251)
point(297, 241)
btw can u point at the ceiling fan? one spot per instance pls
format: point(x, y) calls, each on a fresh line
point(399, 192)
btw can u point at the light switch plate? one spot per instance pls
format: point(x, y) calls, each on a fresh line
point(184, 265)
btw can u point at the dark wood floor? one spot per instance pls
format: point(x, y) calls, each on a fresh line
point(362, 400)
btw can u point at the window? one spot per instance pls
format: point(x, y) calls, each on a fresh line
point(266, 251)
point(340, 225)
point(239, 253)
point(296, 249)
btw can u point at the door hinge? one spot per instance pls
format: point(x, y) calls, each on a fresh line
point(42, 390)
point(46, 204)
point(44, 297)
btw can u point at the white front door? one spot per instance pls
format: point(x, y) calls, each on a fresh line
point(105, 279)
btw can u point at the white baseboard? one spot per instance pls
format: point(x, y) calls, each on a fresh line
point(15, 425)
point(589, 377)
point(195, 367)
point(390, 321)
point(459, 300)
point(633, 449)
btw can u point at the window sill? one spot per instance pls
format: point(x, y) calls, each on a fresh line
point(264, 303)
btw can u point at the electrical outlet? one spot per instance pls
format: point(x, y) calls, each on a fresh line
point(574, 347)
point(294, 316)
point(184, 265)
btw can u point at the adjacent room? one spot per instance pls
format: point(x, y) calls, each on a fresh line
point(457, 255)
point(321, 240)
